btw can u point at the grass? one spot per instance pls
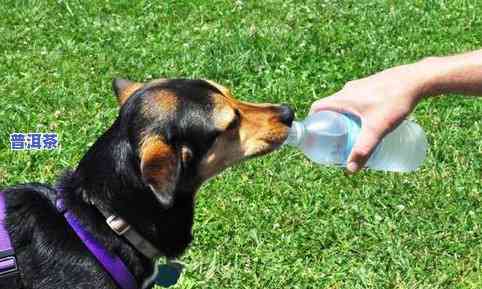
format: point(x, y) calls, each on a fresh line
point(278, 221)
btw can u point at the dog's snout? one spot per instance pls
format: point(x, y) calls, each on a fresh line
point(287, 115)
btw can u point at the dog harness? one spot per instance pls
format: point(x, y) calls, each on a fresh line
point(9, 273)
point(111, 263)
point(164, 275)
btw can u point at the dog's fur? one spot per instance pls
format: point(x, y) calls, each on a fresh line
point(169, 137)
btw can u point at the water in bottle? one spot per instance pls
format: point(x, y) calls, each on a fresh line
point(327, 137)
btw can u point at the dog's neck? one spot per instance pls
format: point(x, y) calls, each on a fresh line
point(108, 178)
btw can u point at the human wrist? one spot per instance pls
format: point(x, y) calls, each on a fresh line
point(429, 73)
point(452, 74)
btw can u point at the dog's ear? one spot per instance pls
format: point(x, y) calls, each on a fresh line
point(124, 88)
point(160, 168)
point(219, 87)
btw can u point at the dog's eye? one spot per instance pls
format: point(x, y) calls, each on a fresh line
point(235, 122)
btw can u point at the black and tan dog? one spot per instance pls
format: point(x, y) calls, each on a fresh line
point(169, 137)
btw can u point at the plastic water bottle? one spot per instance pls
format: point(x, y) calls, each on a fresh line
point(327, 138)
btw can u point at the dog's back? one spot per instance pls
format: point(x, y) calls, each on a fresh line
point(43, 239)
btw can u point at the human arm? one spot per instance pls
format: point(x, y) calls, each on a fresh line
point(384, 99)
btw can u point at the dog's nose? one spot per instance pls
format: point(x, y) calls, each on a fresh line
point(286, 114)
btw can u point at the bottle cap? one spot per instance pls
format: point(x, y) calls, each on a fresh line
point(295, 133)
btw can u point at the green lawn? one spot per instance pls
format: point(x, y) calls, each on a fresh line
point(278, 221)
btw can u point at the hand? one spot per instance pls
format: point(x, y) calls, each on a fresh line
point(381, 101)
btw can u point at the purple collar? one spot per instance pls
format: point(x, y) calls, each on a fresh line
point(111, 263)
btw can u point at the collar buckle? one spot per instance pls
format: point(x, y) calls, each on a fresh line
point(118, 225)
point(8, 266)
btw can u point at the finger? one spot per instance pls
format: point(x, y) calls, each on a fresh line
point(362, 149)
point(332, 103)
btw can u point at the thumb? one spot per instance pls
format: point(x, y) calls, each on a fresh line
point(362, 149)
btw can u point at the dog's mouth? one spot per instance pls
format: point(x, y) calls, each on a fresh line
point(271, 143)
point(226, 153)
point(276, 143)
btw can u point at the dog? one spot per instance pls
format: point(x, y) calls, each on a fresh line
point(170, 136)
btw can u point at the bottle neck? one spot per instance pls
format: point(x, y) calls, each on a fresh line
point(295, 134)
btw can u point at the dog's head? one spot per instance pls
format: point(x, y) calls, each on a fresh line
point(187, 131)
